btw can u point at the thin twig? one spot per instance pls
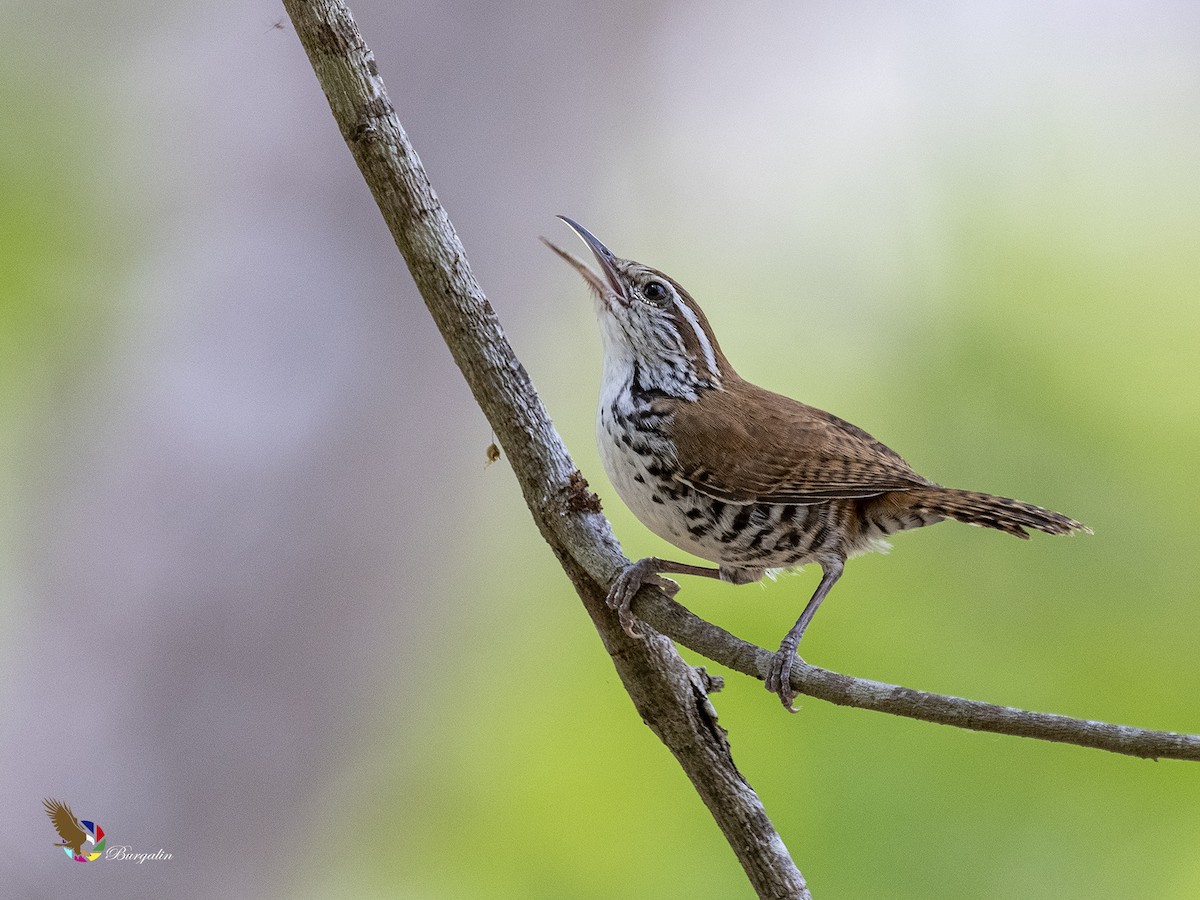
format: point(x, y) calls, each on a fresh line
point(715, 643)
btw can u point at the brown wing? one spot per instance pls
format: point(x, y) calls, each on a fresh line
point(66, 824)
point(744, 443)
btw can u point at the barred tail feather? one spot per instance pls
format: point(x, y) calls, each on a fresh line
point(1001, 513)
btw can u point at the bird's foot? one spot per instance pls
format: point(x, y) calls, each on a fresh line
point(628, 583)
point(779, 675)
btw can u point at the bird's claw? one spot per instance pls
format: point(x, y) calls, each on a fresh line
point(625, 587)
point(779, 676)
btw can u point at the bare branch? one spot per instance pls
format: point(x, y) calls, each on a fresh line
point(720, 646)
point(671, 696)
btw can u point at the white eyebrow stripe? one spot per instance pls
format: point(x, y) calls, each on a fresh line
point(710, 358)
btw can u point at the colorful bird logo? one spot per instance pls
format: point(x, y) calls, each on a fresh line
point(75, 833)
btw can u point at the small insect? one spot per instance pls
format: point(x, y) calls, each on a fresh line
point(278, 26)
point(493, 453)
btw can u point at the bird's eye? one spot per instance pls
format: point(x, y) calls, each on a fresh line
point(655, 292)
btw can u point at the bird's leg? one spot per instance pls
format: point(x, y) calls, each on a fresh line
point(779, 673)
point(648, 571)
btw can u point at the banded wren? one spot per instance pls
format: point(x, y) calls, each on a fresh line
point(739, 475)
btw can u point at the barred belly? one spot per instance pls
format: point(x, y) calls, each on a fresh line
point(761, 535)
point(641, 465)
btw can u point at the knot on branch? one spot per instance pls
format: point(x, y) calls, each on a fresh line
point(712, 683)
point(703, 684)
point(579, 499)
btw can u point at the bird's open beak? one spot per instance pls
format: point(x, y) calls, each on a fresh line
point(611, 282)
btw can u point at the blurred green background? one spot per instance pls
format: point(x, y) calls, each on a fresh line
point(269, 610)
